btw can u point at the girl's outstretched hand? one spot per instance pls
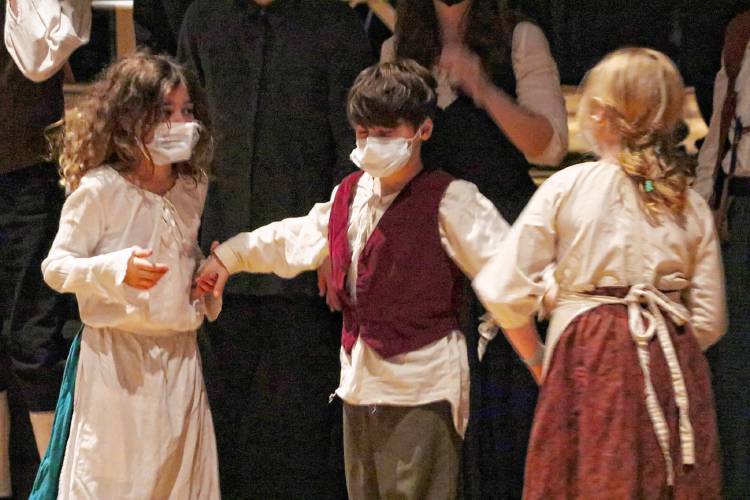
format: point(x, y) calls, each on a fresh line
point(202, 286)
point(141, 273)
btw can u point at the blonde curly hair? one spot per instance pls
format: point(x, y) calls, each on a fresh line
point(637, 95)
point(118, 111)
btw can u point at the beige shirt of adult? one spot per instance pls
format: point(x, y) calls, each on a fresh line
point(537, 86)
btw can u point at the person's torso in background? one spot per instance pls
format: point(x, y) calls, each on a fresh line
point(26, 109)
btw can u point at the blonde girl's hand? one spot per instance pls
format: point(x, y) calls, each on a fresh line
point(536, 372)
point(141, 273)
point(464, 69)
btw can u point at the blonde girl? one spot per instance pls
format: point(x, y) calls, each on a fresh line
point(625, 408)
point(133, 156)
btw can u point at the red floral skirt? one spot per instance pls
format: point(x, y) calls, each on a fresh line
point(592, 437)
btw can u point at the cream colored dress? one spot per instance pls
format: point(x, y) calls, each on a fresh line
point(141, 424)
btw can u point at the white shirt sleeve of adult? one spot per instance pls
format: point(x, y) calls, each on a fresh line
point(42, 34)
point(704, 174)
point(706, 297)
point(72, 265)
point(285, 248)
point(512, 283)
point(471, 228)
point(538, 88)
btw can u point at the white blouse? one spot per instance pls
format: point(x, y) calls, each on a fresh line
point(537, 86)
point(587, 221)
point(102, 222)
point(43, 34)
point(707, 156)
point(470, 231)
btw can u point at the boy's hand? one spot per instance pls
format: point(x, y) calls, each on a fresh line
point(141, 273)
point(213, 276)
point(325, 285)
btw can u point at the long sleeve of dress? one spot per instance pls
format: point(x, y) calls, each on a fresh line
point(704, 174)
point(73, 265)
point(285, 248)
point(44, 33)
point(705, 299)
point(538, 88)
point(512, 282)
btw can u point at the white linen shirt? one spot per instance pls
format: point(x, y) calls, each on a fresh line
point(586, 220)
point(470, 231)
point(43, 34)
point(101, 223)
point(704, 178)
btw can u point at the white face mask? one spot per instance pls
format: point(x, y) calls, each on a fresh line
point(383, 156)
point(173, 142)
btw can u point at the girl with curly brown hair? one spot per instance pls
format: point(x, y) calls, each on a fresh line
point(625, 407)
point(134, 156)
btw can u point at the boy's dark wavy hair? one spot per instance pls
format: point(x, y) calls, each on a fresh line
point(391, 92)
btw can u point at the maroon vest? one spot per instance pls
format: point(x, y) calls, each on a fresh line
point(408, 289)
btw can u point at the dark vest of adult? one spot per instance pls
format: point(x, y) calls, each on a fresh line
point(26, 109)
point(467, 144)
point(407, 287)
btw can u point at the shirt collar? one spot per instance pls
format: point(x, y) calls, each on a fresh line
point(277, 11)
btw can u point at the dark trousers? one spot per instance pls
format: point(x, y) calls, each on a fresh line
point(33, 316)
point(503, 396)
point(729, 357)
point(270, 365)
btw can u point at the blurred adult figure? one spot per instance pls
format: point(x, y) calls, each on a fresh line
point(276, 74)
point(39, 37)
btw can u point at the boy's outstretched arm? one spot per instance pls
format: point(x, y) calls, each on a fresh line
point(285, 248)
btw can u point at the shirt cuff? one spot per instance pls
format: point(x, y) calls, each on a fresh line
point(228, 253)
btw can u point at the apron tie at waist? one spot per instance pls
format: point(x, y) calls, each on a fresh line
point(646, 302)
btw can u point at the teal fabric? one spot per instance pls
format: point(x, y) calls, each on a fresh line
point(48, 475)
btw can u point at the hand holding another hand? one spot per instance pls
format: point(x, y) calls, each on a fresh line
point(212, 276)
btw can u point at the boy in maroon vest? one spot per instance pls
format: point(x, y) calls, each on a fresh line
point(399, 238)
